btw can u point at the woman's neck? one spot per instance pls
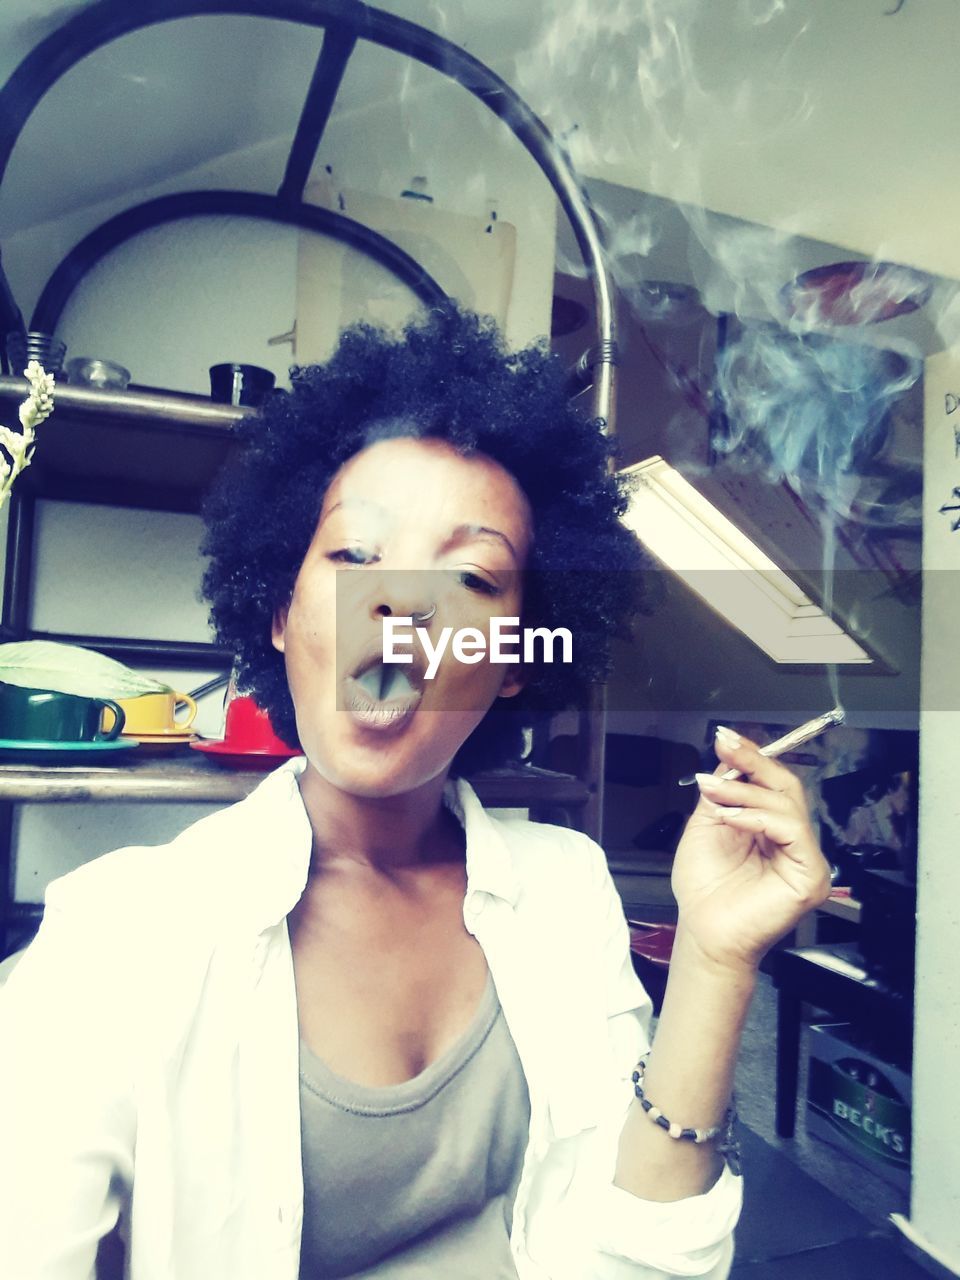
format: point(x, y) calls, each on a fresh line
point(385, 833)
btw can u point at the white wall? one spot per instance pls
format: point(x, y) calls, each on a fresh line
point(935, 1200)
point(114, 571)
point(831, 120)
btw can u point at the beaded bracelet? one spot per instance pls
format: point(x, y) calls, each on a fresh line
point(729, 1148)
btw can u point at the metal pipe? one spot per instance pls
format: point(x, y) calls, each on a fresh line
point(11, 320)
point(244, 204)
point(324, 87)
point(18, 925)
point(208, 686)
point(7, 903)
point(584, 373)
point(172, 782)
point(18, 577)
point(154, 408)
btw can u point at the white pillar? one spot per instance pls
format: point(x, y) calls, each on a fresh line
point(935, 1198)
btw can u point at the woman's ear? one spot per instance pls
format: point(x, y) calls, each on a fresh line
point(279, 629)
point(513, 682)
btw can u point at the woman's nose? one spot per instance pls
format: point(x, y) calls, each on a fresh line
point(404, 595)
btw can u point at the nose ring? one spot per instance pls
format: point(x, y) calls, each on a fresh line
point(425, 617)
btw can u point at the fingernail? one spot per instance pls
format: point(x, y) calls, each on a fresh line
point(729, 808)
point(729, 737)
point(708, 781)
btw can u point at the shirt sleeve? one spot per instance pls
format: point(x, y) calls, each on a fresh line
point(638, 1239)
point(66, 1105)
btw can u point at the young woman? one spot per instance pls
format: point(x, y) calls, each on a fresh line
point(355, 1026)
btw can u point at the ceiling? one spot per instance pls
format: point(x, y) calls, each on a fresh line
point(731, 144)
point(820, 124)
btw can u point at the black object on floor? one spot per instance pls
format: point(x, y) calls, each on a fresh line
point(829, 978)
point(792, 1228)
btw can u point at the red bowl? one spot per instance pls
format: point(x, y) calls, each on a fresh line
point(248, 728)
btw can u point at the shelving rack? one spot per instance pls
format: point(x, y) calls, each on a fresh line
point(119, 447)
point(185, 780)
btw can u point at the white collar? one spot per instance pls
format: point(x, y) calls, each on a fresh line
point(276, 818)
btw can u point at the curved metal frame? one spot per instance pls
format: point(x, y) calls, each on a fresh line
point(344, 22)
point(244, 204)
point(107, 20)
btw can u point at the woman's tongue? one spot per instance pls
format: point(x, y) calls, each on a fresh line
point(386, 682)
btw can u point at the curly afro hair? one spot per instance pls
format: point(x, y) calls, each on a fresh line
point(448, 376)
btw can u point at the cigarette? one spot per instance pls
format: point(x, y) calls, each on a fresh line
point(789, 742)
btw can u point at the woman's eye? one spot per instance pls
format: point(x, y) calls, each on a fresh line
point(352, 555)
point(475, 582)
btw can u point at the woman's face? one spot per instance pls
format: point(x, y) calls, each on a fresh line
point(406, 525)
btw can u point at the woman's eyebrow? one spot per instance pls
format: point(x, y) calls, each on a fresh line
point(363, 503)
point(465, 532)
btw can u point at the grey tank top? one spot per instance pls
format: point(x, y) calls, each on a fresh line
point(416, 1181)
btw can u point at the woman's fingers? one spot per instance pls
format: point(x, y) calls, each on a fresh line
point(736, 752)
point(799, 862)
point(744, 794)
point(754, 810)
point(783, 829)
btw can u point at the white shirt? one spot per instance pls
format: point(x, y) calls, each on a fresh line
point(149, 1054)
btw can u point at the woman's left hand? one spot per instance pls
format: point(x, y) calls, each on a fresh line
point(748, 866)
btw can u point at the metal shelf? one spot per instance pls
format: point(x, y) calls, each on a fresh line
point(160, 409)
point(524, 786)
point(187, 778)
point(154, 449)
point(190, 778)
point(197, 780)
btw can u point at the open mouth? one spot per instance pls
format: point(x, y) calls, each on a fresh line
point(383, 695)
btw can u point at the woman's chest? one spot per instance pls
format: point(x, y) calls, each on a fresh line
point(385, 983)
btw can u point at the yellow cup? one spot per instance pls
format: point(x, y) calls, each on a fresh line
point(158, 713)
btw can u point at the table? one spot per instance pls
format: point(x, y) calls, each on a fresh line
point(841, 907)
